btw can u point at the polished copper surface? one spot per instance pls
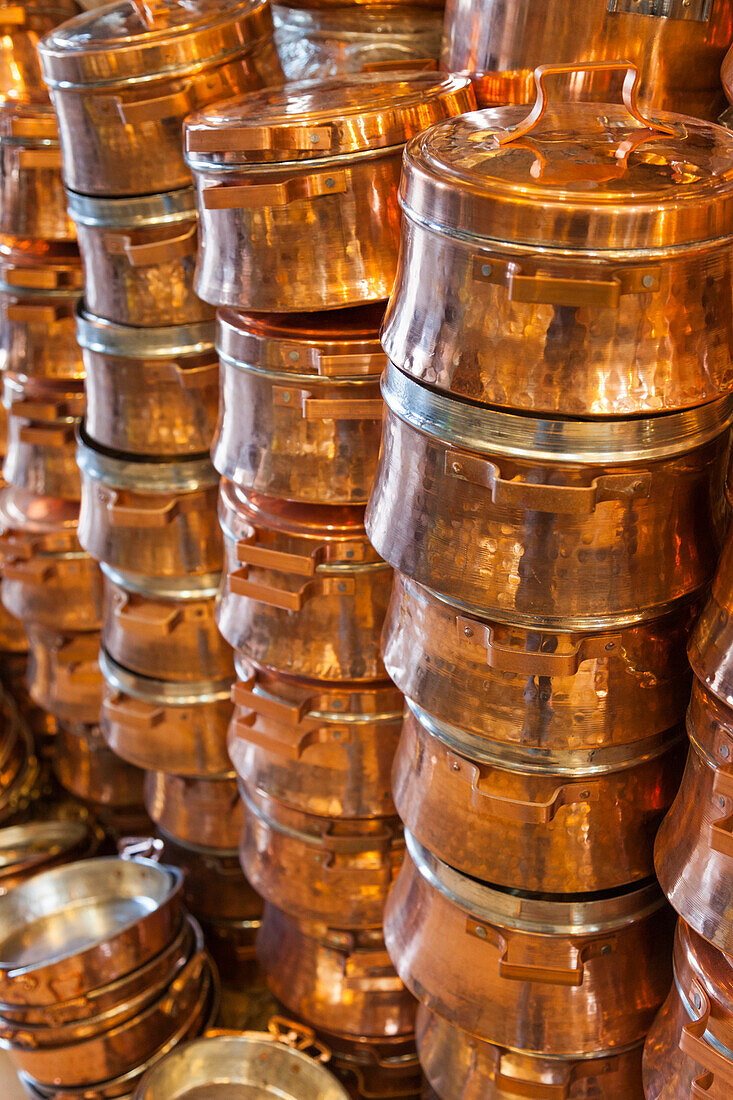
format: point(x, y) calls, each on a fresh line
point(678, 46)
point(300, 403)
point(42, 420)
point(147, 518)
point(123, 137)
point(22, 27)
point(215, 887)
point(594, 968)
point(376, 1069)
point(27, 849)
point(553, 826)
point(193, 810)
point(303, 591)
point(334, 870)
point(63, 674)
point(689, 1050)
point(711, 645)
point(32, 196)
point(549, 524)
point(694, 849)
point(462, 1067)
point(326, 155)
point(339, 981)
point(38, 298)
point(536, 690)
point(85, 766)
point(231, 944)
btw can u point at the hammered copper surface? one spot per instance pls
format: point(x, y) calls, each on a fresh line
point(595, 971)
point(339, 981)
point(63, 674)
point(303, 592)
point(41, 452)
point(194, 810)
point(32, 196)
point(38, 333)
point(84, 766)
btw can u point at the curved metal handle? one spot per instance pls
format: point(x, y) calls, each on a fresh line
point(140, 847)
point(282, 598)
point(221, 196)
point(530, 971)
point(154, 252)
point(195, 378)
point(140, 515)
point(39, 159)
point(46, 435)
point(32, 571)
point(350, 365)
point(292, 745)
point(264, 557)
point(314, 408)
point(176, 104)
point(147, 620)
point(515, 809)
point(629, 95)
point(692, 1043)
point(538, 662)
point(132, 712)
point(721, 831)
point(31, 313)
point(270, 706)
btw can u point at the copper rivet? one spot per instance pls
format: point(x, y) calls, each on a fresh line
point(610, 646)
point(468, 632)
point(456, 467)
point(606, 949)
point(286, 397)
point(294, 356)
point(724, 751)
point(696, 1000)
point(648, 281)
point(486, 269)
point(585, 794)
point(342, 587)
point(480, 932)
point(330, 182)
point(456, 766)
point(721, 801)
point(349, 553)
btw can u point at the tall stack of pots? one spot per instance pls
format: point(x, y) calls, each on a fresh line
point(299, 226)
point(122, 78)
point(551, 492)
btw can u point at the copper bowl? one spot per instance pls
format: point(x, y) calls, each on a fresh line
point(42, 421)
point(196, 811)
point(63, 674)
point(32, 196)
point(88, 769)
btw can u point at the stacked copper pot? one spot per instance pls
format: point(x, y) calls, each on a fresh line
point(299, 225)
point(551, 493)
point(121, 79)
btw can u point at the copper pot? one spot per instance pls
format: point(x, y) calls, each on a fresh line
point(536, 690)
point(335, 870)
point(156, 724)
point(376, 1069)
point(150, 391)
point(553, 524)
point(32, 196)
point(193, 810)
point(694, 850)
point(324, 749)
point(164, 631)
point(22, 26)
point(139, 255)
point(300, 404)
point(462, 1067)
point(303, 592)
point(572, 823)
point(679, 47)
point(39, 291)
point(156, 519)
point(122, 85)
point(689, 1050)
point(327, 157)
point(711, 644)
point(63, 674)
point(539, 312)
point(215, 887)
point(41, 453)
point(341, 982)
point(594, 970)
point(40, 845)
point(86, 767)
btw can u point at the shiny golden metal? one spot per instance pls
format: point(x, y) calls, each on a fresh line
point(195, 810)
point(85, 766)
point(42, 420)
point(63, 674)
point(32, 196)
point(215, 887)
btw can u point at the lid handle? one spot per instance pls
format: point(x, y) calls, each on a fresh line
point(629, 95)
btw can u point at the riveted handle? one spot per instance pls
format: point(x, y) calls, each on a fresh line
point(282, 193)
point(40, 410)
point(154, 252)
point(176, 105)
point(630, 96)
point(508, 808)
point(37, 159)
point(30, 313)
point(271, 706)
point(571, 973)
point(263, 557)
point(195, 378)
point(46, 435)
point(132, 712)
point(146, 620)
point(350, 365)
point(312, 408)
point(531, 496)
point(33, 571)
point(298, 1036)
point(693, 1044)
point(537, 662)
point(292, 744)
point(721, 831)
point(283, 598)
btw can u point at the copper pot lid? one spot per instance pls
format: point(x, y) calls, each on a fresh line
point(315, 119)
point(47, 270)
point(574, 175)
point(325, 522)
point(116, 43)
point(337, 343)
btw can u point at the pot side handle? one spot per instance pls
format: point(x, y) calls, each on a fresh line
point(146, 620)
point(176, 105)
point(33, 313)
point(132, 712)
point(516, 810)
point(250, 196)
point(541, 662)
point(527, 971)
point(38, 159)
point(315, 408)
point(721, 831)
point(283, 598)
point(154, 252)
point(291, 745)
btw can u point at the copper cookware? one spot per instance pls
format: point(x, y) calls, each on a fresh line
point(63, 674)
point(325, 156)
point(139, 256)
point(535, 690)
point(710, 650)
point(214, 887)
point(568, 254)
point(22, 25)
point(374, 1068)
point(156, 519)
point(193, 810)
point(694, 849)
point(679, 46)
point(85, 766)
point(462, 1067)
point(595, 970)
point(123, 80)
point(150, 391)
point(300, 403)
point(341, 982)
point(156, 724)
point(570, 823)
point(166, 632)
point(547, 524)
point(32, 196)
point(40, 845)
point(41, 454)
point(304, 592)
point(335, 870)
point(689, 1050)
point(231, 944)
point(324, 749)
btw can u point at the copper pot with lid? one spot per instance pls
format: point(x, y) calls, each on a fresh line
point(536, 690)
point(319, 156)
point(463, 1067)
point(157, 724)
point(122, 80)
point(335, 870)
point(155, 519)
point(139, 256)
point(568, 252)
point(304, 592)
point(42, 421)
point(689, 1050)
point(553, 524)
point(192, 809)
point(594, 967)
point(341, 982)
point(63, 674)
point(32, 196)
point(85, 766)
point(300, 403)
point(679, 46)
point(569, 823)
point(150, 391)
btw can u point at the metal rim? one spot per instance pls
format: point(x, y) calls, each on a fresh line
point(163, 692)
point(107, 338)
point(137, 212)
point(298, 381)
point(314, 840)
point(203, 587)
point(202, 162)
point(142, 475)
